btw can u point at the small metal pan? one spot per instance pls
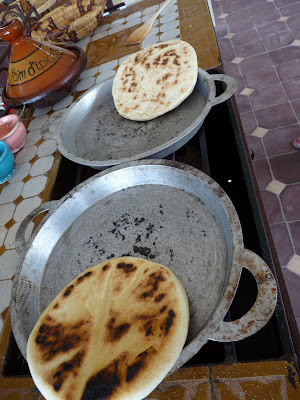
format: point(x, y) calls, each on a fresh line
point(94, 134)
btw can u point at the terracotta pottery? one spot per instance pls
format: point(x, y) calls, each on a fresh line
point(39, 74)
point(12, 132)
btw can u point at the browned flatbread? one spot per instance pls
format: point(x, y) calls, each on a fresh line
point(113, 333)
point(153, 81)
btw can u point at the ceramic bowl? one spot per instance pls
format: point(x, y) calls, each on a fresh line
point(12, 132)
point(7, 162)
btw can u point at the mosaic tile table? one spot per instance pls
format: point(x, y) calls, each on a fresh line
point(36, 169)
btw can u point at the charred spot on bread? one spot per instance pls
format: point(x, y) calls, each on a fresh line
point(68, 291)
point(126, 267)
point(103, 384)
point(152, 284)
point(83, 277)
point(115, 332)
point(163, 309)
point(56, 338)
point(169, 321)
point(161, 46)
point(65, 368)
point(133, 370)
point(160, 297)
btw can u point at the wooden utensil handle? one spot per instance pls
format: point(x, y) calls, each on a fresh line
point(162, 7)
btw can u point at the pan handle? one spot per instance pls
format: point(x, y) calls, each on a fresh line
point(20, 241)
point(231, 87)
point(261, 311)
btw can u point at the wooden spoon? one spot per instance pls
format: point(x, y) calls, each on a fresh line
point(140, 33)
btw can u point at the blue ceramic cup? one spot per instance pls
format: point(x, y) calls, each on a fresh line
point(7, 162)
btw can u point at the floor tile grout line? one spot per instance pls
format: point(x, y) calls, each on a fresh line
point(295, 1)
point(272, 105)
point(273, 67)
point(288, 222)
point(287, 226)
point(281, 154)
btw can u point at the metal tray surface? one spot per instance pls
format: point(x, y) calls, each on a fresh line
point(93, 133)
point(160, 210)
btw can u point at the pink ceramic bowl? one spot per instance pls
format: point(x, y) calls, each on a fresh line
point(12, 132)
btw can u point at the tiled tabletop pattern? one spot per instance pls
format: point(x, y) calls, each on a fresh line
point(259, 42)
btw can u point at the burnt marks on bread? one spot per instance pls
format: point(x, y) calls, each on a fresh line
point(160, 297)
point(148, 328)
point(161, 46)
point(151, 287)
point(138, 364)
point(65, 369)
point(127, 268)
point(163, 309)
point(115, 331)
point(105, 267)
point(168, 57)
point(168, 322)
point(68, 291)
point(119, 373)
point(133, 370)
point(84, 276)
point(156, 60)
point(166, 76)
point(55, 338)
point(102, 385)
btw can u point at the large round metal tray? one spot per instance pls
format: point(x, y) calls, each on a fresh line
point(93, 133)
point(160, 210)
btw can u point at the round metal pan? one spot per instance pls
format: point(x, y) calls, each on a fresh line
point(93, 133)
point(160, 210)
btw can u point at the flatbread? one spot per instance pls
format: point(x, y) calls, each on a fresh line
point(113, 333)
point(153, 81)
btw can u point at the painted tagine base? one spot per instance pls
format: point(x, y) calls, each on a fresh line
point(50, 96)
point(39, 74)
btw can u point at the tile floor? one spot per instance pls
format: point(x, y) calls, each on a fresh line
point(259, 42)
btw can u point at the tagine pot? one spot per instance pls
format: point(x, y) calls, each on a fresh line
point(39, 74)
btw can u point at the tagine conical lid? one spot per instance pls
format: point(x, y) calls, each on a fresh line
point(35, 68)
